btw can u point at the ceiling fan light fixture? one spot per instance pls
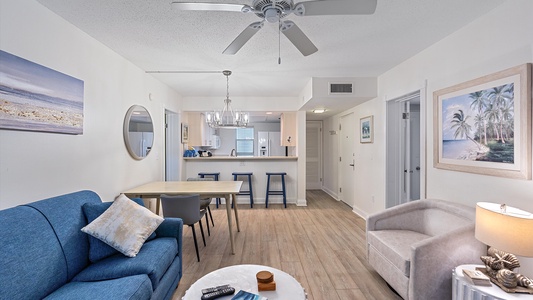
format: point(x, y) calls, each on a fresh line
point(272, 15)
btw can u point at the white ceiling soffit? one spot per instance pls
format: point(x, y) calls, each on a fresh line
point(154, 36)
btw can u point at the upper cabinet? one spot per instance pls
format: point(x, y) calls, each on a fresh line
point(200, 134)
point(288, 129)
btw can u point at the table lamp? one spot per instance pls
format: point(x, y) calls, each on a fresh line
point(508, 229)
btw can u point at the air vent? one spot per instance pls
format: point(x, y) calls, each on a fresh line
point(340, 88)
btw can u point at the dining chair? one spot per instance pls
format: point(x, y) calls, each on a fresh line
point(204, 203)
point(186, 207)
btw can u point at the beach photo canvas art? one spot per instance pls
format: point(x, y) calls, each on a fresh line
point(484, 125)
point(36, 98)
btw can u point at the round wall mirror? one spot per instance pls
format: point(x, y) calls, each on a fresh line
point(138, 132)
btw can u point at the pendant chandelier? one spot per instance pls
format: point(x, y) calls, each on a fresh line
point(227, 118)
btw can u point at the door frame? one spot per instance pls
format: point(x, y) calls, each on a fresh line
point(173, 146)
point(393, 159)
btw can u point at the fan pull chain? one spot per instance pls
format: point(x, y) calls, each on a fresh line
point(279, 42)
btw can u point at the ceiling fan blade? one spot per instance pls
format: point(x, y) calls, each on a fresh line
point(208, 6)
point(335, 7)
point(298, 38)
point(243, 37)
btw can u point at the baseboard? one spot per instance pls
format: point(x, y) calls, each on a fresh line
point(360, 213)
point(301, 202)
point(331, 193)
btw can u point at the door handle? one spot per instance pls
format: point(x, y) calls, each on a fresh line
point(352, 165)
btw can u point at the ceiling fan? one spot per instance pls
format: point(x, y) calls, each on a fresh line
point(273, 11)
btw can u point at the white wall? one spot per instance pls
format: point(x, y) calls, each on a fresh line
point(242, 103)
point(467, 54)
point(35, 165)
point(483, 47)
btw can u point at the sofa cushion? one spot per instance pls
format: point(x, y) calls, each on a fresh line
point(98, 249)
point(131, 287)
point(124, 226)
point(32, 263)
point(153, 259)
point(65, 215)
point(396, 246)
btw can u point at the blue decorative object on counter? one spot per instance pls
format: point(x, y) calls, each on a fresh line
point(190, 153)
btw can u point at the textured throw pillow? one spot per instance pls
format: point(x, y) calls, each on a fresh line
point(125, 226)
point(97, 249)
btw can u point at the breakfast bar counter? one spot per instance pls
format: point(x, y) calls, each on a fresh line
point(242, 158)
point(258, 165)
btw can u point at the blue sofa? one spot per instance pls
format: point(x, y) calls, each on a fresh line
point(44, 254)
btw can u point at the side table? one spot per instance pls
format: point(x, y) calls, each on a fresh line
point(463, 289)
point(242, 277)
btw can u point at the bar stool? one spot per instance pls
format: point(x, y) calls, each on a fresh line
point(215, 177)
point(282, 192)
point(250, 190)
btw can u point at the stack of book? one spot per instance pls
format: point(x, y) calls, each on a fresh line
point(477, 277)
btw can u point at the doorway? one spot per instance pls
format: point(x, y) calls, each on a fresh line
point(347, 159)
point(404, 151)
point(313, 142)
point(172, 146)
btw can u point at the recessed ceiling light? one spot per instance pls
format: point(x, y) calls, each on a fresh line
point(268, 112)
point(319, 110)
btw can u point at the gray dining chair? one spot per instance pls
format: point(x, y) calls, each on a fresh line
point(186, 207)
point(204, 203)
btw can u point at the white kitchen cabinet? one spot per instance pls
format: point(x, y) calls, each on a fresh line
point(200, 134)
point(288, 129)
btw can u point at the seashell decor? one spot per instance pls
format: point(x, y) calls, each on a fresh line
point(503, 259)
point(500, 266)
point(507, 278)
point(524, 281)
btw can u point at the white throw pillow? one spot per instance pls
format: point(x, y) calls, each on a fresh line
point(125, 226)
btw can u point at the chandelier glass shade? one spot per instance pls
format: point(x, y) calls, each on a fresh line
point(227, 117)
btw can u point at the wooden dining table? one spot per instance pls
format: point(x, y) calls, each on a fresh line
point(207, 189)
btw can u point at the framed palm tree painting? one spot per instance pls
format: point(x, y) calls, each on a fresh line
point(483, 126)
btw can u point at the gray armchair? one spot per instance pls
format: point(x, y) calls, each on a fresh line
point(415, 246)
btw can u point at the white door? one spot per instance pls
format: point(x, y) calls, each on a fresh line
point(414, 159)
point(410, 140)
point(347, 159)
point(172, 146)
point(313, 142)
point(405, 141)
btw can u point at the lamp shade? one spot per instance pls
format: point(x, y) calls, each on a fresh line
point(510, 230)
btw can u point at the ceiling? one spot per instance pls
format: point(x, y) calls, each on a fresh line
point(156, 37)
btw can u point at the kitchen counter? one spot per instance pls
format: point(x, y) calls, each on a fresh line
point(211, 158)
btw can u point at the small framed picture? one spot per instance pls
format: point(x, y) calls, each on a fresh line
point(184, 133)
point(367, 129)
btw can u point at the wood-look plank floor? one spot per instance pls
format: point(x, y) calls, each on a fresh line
point(321, 245)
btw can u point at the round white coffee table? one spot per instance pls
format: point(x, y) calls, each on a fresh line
point(242, 277)
point(463, 289)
